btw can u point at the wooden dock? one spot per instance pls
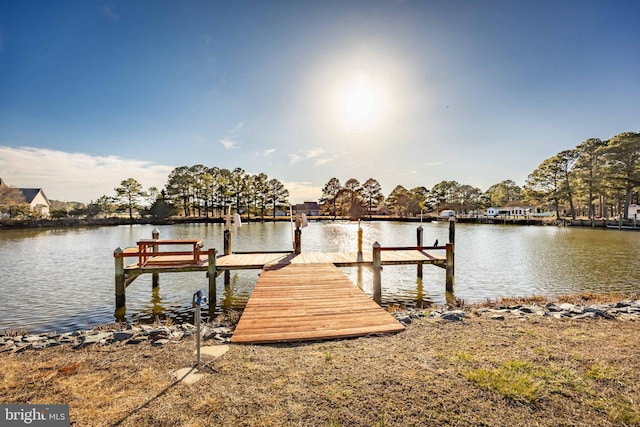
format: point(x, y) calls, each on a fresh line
point(302, 301)
point(299, 296)
point(258, 261)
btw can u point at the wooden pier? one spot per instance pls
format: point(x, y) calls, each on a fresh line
point(299, 296)
point(301, 302)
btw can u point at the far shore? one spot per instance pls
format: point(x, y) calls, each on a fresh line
point(6, 224)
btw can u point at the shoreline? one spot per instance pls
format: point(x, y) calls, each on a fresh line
point(221, 330)
point(508, 363)
point(626, 225)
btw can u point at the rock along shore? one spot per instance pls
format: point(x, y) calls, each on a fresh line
point(622, 310)
point(132, 335)
point(162, 335)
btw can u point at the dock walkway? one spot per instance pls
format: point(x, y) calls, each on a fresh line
point(302, 301)
point(299, 296)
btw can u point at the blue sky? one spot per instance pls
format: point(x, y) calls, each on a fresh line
point(408, 92)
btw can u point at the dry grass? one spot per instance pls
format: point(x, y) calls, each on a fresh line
point(539, 371)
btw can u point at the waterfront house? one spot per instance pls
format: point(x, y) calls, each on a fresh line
point(38, 202)
point(35, 198)
point(379, 210)
point(510, 211)
point(447, 213)
point(307, 208)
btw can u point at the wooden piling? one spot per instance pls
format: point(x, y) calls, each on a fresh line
point(450, 268)
point(450, 280)
point(452, 231)
point(228, 250)
point(211, 273)
point(120, 285)
point(419, 238)
point(359, 238)
point(377, 274)
point(155, 277)
point(297, 241)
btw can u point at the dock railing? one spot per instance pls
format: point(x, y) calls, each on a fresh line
point(448, 263)
point(152, 260)
point(377, 265)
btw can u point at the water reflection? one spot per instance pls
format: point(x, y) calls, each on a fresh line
point(64, 279)
point(156, 300)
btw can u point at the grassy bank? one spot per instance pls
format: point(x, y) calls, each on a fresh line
point(532, 371)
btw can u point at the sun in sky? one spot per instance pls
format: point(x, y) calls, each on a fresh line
point(361, 103)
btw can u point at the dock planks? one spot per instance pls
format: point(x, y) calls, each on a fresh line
point(298, 297)
point(297, 301)
point(259, 260)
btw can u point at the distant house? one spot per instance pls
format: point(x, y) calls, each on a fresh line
point(510, 211)
point(379, 210)
point(447, 213)
point(35, 198)
point(307, 208)
point(634, 211)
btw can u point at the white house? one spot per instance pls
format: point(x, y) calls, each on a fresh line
point(510, 211)
point(634, 211)
point(447, 213)
point(307, 208)
point(35, 198)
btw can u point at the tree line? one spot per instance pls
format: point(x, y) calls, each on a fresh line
point(196, 190)
point(353, 199)
point(597, 178)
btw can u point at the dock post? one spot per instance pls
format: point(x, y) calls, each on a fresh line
point(297, 243)
point(211, 273)
point(450, 268)
point(228, 249)
point(227, 242)
point(155, 277)
point(451, 255)
point(452, 231)
point(359, 238)
point(120, 287)
point(419, 234)
point(377, 274)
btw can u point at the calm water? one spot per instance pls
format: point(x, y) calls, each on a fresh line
point(63, 279)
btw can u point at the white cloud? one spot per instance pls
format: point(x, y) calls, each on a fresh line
point(294, 158)
point(314, 153)
point(108, 12)
point(75, 176)
point(229, 143)
point(268, 152)
point(324, 160)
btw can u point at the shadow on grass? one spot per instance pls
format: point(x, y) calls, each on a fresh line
point(159, 395)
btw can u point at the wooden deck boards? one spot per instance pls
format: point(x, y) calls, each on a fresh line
point(259, 260)
point(298, 301)
point(300, 297)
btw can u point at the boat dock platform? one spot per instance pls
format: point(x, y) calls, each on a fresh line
point(298, 296)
